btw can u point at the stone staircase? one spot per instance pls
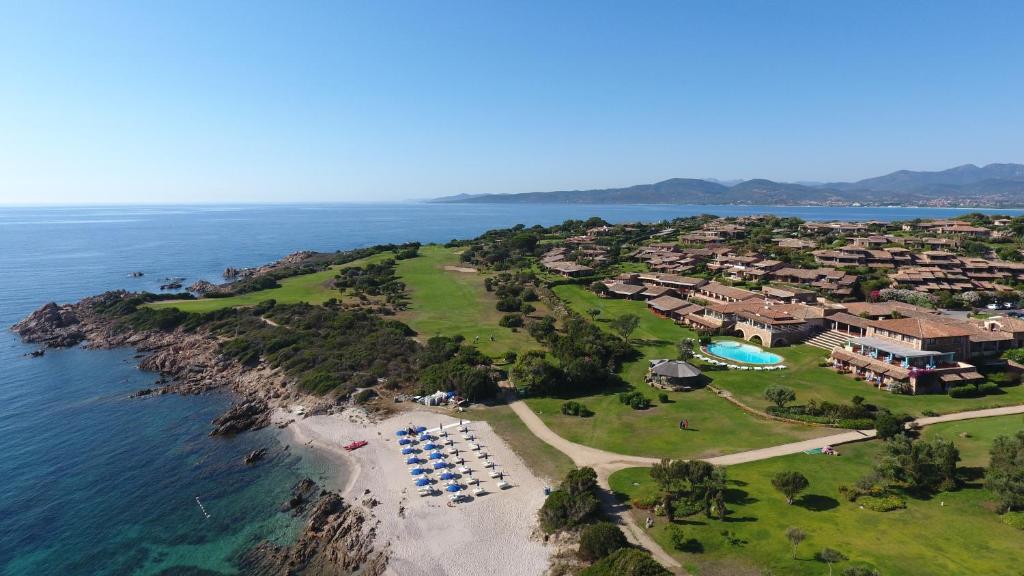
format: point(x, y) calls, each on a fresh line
point(828, 340)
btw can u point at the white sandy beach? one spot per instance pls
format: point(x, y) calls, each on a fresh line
point(489, 535)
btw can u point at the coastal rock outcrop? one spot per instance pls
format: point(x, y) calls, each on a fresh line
point(249, 414)
point(52, 325)
point(254, 456)
point(338, 539)
point(188, 362)
point(202, 288)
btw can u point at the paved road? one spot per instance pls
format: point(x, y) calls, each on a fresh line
point(605, 463)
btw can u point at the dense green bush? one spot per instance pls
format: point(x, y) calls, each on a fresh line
point(599, 540)
point(964, 391)
point(885, 503)
point(663, 398)
point(509, 304)
point(986, 388)
point(511, 321)
point(635, 400)
point(574, 408)
point(626, 562)
point(1005, 378)
point(573, 504)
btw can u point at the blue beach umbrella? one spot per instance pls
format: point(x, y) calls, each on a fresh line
point(408, 450)
point(436, 455)
point(429, 446)
point(405, 441)
point(440, 465)
point(425, 437)
point(447, 476)
point(416, 471)
point(401, 433)
point(453, 488)
point(422, 482)
point(413, 460)
point(421, 428)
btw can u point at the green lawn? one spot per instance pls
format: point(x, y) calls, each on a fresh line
point(811, 381)
point(543, 459)
point(311, 288)
point(960, 537)
point(448, 302)
point(718, 427)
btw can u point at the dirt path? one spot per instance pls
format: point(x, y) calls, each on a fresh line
point(606, 463)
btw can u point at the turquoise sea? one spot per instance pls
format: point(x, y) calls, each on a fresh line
point(92, 482)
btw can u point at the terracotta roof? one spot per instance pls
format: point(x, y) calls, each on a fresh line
point(628, 289)
point(666, 303)
point(921, 328)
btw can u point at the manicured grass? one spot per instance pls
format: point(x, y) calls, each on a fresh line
point(717, 427)
point(811, 381)
point(310, 288)
point(448, 302)
point(951, 533)
point(543, 459)
point(974, 437)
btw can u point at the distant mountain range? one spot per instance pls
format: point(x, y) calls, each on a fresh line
point(991, 186)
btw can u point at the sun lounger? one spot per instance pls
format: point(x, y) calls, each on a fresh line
point(494, 474)
point(488, 464)
point(503, 484)
point(474, 447)
point(479, 491)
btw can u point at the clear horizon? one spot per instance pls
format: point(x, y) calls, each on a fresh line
point(186, 103)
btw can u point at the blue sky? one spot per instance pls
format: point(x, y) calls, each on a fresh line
point(368, 101)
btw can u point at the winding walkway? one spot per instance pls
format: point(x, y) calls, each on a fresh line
point(606, 463)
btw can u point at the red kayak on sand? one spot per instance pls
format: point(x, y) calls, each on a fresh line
point(356, 444)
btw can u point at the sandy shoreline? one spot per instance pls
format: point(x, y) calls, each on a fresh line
point(493, 534)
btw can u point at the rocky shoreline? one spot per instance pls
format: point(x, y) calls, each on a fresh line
point(187, 362)
point(338, 538)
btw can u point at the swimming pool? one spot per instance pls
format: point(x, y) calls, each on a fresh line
point(746, 353)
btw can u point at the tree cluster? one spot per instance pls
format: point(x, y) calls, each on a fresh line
point(698, 484)
point(572, 504)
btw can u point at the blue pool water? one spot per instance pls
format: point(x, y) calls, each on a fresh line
point(746, 353)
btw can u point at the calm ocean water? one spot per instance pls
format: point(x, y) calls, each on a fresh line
point(94, 483)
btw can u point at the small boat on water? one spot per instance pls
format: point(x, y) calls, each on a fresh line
point(356, 445)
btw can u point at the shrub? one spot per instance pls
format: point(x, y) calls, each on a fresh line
point(573, 504)
point(965, 391)
point(855, 423)
point(626, 562)
point(1015, 519)
point(886, 503)
point(779, 395)
point(888, 425)
point(600, 540)
point(929, 413)
point(663, 398)
point(511, 321)
point(678, 537)
point(363, 395)
point(509, 304)
point(986, 388)
point(574, 408)
point(635, 400)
